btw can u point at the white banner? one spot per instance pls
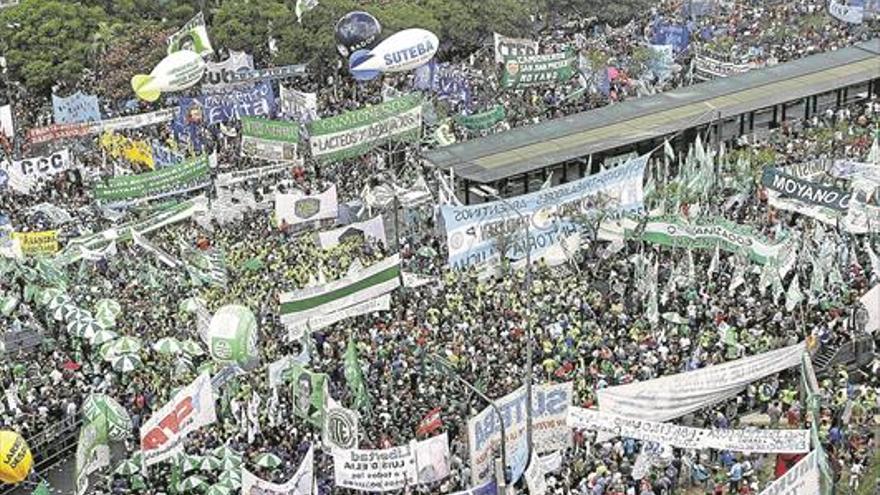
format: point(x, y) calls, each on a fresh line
point(6, 126)
point(300, 484)
point(373, 228)
point(218, 75)
point(231, 178)
point(871, 300)
point(535, 477)
point(513, 47)
point(849, 169)
point(191, 408)
point(683, 437)
point(801, 479)
point(298, 329)
point(392, 469)
point(134, 121)
point(295, 209)
point(673, 396)
point(25, 175)
point(846, 13)
point(303, 106)
point(550, 403)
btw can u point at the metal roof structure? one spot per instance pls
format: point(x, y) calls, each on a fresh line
point(533, 147)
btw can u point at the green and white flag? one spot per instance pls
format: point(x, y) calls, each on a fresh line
point(482, 120)
point(354, 377)
point(274, 140)
point(92, 453)
point(355, 288)
point(355, 133)
point(532, 70)
point(793, 296)
point(207, 267)
point(309, 392)
point(162, 182)
point(192, 36)
point(101, 407)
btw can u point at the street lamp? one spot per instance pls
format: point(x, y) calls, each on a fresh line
point(485, 191)
point(445, 367)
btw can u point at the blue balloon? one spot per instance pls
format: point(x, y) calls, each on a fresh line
point(357, 58)
point(355, 31)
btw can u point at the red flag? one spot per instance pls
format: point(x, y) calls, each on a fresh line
point(430, 423)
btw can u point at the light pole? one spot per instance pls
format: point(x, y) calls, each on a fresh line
point(445, 367)
point(486, 191)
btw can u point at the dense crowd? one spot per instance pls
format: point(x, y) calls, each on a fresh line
point(589, 324)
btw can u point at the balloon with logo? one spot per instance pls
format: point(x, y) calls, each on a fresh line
point(404, 51)
point(15, 458)
point(232, 335)
point(355, 31)
point(177, 71)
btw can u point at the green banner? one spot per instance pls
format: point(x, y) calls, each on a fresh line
point(309, 393)
point(168, 179)
point(531, 70)
point(355, 133)
point(269, 139)
point(708, 233)
point(483, 120)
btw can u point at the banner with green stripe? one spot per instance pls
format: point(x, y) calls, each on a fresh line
point(153, 183)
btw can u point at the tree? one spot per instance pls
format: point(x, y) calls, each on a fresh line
point(48, 40)
point(136, 51)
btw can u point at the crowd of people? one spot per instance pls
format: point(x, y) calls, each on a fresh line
point(590, 324)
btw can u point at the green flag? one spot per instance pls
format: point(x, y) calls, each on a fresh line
point(355, 378)
point(309, 393)
point(42, 489)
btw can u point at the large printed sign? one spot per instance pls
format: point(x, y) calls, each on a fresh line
point(513, 47)
point(684, 437)
point(37, 243)
point(150, 184)
point(191, 408)
point(226, 105)
point(392, 469)
point(299, 484)
point(295, 209)
point(550, 403)
point(269, 139)
point(805, 191)
point(472, 232)
point(220, 74)
point(355, 133)
point(533, 70)
point(670, 397)
point(801, 479)
point(25, 175)
point(39, 135)
point(78, 107)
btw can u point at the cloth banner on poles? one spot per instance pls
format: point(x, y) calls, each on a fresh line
point(294, 209)
point(355, 133)
point(7, 128)
point(533, 70)
point(483, 120)
point(513, 47)
point(26, 175)
point(220, 74)
point(670, 397)
point(191, 408)
point(317, 322)
point(151, 184)
point(373, 229)
point(683, 437)
point(302, 106)
point(473, 232)
point(392, 469)
point(853, 14)
point(37, 243)
point(801, 479)
point(78, 107)
point(268, 74)
point(299, 484)
point(550, 403)
point(224, 106)
point(274, 140)
point(192, 36)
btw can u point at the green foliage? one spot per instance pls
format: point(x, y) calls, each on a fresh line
point(614, 13)
point(48, 40)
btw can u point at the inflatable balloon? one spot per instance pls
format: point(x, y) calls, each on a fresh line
point(15, 458)
point(355, 31)
point(232, 335)
point(177, 71)
point(357, 58)
point(400, 52)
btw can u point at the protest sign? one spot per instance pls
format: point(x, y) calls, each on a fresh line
point(299, 484)
point(677, 35)
point(164, 156)
point(26, 175)
point(134, 121)
point(850, 169)
point(309, 391)
point(37, 243)
point(483, 120)
point(355, 133)
point(800, 479)
point(146, 185)
point(448, 81)
point(707, 233)
point(533, 70)
point(78, 107)
point(294, 209)
point(134, 150)
point(805, 191)
point(535, 477)
point(302, 106)
point(268, 74)
point(513, 47)
point(672, 396)
point(220, 74)
point(239, 176)
point(392, 469)
point(432, 459)
point(269, 139)
point(39, 135)
point(192, 36)
point(319, 321)
point(473, 232)
point(852, 13)
point(871, 301)
point(225, 105)
point(707, 68)
point(370, 283)
point(189, 409)
point(372, 229)
point(684, 437)
point(550, 403)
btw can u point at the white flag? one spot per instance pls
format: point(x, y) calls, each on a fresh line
point(793, 296)
point(303, 6)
